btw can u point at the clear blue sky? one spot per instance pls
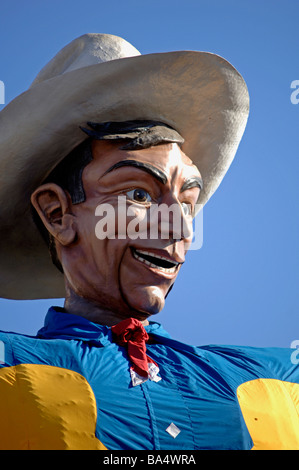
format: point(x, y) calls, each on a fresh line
point(241, 287)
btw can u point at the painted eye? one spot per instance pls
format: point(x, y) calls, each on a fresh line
point(139, 195)
point(187, 208)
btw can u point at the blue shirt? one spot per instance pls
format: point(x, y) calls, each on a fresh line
point(203, 401)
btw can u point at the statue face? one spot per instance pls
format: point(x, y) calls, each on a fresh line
point(120, 273)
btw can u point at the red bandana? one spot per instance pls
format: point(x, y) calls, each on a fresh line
point(132, 334)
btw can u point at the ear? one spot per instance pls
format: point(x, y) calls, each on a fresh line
point(52, 204)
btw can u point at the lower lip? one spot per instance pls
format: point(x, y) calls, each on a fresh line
point(156, 270)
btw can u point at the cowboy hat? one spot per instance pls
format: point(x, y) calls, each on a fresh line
point(99, 77)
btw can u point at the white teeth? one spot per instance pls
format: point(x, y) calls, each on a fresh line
point(156, 256)
point(164, 270)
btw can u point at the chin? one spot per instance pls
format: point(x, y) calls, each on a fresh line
point(149, 300)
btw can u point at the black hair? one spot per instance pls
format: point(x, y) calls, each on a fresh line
point(68, 175)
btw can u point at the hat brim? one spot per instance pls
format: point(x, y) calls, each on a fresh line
point(199, 94)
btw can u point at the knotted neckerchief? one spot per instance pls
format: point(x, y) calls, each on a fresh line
point(131, 334)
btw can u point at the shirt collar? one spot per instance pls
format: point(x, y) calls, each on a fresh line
point(63, 325)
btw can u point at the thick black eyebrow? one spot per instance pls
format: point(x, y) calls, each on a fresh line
point(152, 170)
point(192, 182)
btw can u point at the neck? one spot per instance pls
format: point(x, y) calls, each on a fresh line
point(95, 313)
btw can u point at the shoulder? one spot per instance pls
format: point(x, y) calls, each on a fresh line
point(271, 362)
point(11, 342)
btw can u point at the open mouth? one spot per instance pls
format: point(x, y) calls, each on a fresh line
point(155, 261)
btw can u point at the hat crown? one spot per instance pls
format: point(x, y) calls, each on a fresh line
point(88, 49)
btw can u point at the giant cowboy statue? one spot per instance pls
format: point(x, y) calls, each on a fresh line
point(105, 127)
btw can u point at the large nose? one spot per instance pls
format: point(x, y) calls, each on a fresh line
point(173, 222)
